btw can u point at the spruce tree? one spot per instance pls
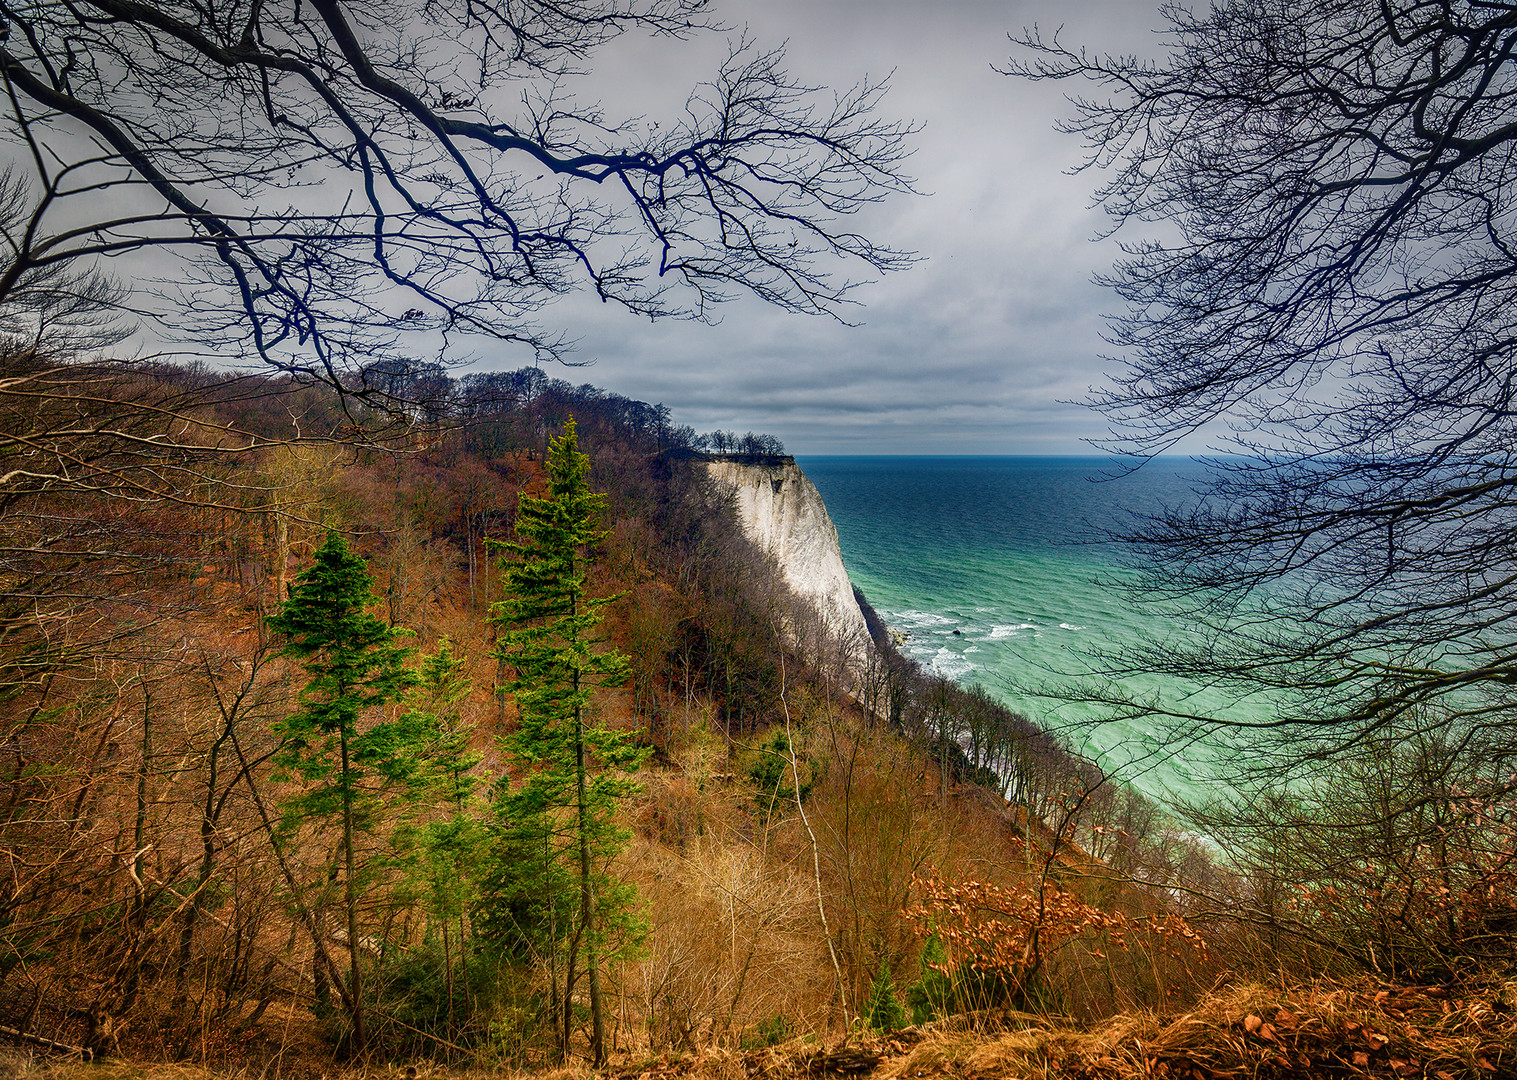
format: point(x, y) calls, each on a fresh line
point(883, 1011)
point(555, 825)
point(355, 665)
point(932, 995)
point(440, 854)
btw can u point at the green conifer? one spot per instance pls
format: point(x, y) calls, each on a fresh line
point(932, 995)
point(355, 664)
point(555, 825)
point(882, 1010)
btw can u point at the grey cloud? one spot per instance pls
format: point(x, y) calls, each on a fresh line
point(980, 346)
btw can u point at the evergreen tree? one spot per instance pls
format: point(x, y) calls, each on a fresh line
point(932, 995)
point(441, 854)
point(555, 830)
point(356, 665)
point(883, 1011)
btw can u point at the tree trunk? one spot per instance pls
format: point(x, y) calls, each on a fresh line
point(587, 899)
point(138, 918)
point(281, 558)
point(350, 896)
point(192, 910)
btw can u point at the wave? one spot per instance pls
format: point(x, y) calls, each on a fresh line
point(923, 619)
point(950, 664)
point(999, 632)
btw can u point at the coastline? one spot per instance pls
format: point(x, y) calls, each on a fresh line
point(998, 573)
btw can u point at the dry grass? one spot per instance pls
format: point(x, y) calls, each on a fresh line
point(1244, 1033)
point(1247, 1032)
point(1253, 1031)
point(22, 1068)
point(27, 1069)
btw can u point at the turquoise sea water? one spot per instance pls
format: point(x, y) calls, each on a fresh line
point(996, 569)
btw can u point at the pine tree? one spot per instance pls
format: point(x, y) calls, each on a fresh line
point(932, 995)
point(883, 1011)
point(556, 826)
point(356, 665)
point(442, 854)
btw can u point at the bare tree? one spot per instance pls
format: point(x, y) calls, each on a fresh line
point(1328, 296)
point(331, 184)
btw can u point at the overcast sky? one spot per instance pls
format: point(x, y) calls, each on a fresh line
point(978, 347)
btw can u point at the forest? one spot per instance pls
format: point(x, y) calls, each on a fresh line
point(366, 710)
point(289, 773)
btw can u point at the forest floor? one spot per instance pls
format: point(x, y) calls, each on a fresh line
point(1249, 1032)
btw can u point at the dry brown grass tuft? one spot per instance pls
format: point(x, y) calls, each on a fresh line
point(1248, 1032)
point(1362, 1030)
point(111, 1070)
point(125, 1070)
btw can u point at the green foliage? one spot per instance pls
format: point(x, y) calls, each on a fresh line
point(932, 995)
point(772, 775)
point(522, 1019)
point(548, 897)
point(441, 857)
point(442, 861)
point(527, 896)
point(441, 686)
point(355, 666)
point(882, 1009)
point(769, 1032)
point(416, 995)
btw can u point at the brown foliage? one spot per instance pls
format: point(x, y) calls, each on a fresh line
point(1008, 932)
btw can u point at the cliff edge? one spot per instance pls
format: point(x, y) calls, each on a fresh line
point(782, 512)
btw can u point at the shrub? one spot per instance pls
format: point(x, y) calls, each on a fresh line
point(883, 1011)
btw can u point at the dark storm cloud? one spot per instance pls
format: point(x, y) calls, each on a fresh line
point(972, 350)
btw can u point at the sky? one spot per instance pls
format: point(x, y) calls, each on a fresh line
point(987, 344)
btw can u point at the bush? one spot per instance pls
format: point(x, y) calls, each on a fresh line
point(883, 1011)
point(931, 996)
point(769, 1032)
point(772, 777)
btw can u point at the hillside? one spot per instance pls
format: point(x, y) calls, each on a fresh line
point(824, 841)
point(1312, 1032)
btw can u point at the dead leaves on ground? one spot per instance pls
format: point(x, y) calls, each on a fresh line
point(1246, 1033)
point(1411, 1032)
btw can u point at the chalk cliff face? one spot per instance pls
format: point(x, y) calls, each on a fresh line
point(782, 512)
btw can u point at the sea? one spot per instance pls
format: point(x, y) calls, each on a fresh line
point(999, 572)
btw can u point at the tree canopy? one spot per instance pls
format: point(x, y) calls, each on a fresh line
point(1320, 281)
point(557, 829)
point(355, 664)
point(330, 182)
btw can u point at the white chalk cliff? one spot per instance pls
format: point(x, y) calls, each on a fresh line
point(782, 512)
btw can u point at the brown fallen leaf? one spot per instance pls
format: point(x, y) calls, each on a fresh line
point(1267, 1033)
point(1252, 1024)
point(1361, 1060)
point(1375, 1039)
point(1382, 997)
point(1285, 1019)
